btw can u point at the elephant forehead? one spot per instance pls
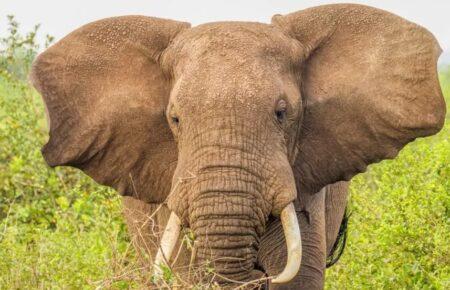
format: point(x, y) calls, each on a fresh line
point(228, 89)
point(234, 45)
point(244, 38)
point(232, 65)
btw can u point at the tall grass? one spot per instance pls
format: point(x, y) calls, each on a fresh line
point(59, 230)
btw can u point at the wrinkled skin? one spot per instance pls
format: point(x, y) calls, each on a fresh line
point(226, 124)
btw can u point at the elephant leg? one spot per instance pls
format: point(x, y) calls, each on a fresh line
point(272, 253)
point(146, 223)
point(335, 204)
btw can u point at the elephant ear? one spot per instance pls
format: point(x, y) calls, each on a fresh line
point(370, 84)
point(105, 95)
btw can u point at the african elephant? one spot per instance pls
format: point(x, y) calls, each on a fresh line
point(244, 133)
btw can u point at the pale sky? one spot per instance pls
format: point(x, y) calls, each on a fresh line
point(61, 17)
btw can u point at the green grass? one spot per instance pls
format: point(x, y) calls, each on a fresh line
point(60, 230)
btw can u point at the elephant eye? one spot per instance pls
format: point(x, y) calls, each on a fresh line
point(172, 115)
point(280, 111)
point(281, 115)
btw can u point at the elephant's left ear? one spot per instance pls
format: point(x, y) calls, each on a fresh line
point(371, 86)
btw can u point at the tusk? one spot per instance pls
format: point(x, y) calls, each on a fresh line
point(168, 242)
point(293, 243)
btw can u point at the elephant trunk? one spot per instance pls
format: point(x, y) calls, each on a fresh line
point(228, 242)
point(227, 218)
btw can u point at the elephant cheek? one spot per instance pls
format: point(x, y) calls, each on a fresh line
point(285, 192)
point(272, 255)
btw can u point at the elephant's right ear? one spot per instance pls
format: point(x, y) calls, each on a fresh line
point(105, 94)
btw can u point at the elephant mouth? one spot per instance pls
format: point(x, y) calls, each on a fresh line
point(291, 232)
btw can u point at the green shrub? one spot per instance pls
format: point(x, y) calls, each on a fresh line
point(18, 51)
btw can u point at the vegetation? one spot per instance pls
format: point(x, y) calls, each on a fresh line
point(58, 229)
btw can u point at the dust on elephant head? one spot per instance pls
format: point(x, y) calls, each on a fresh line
point(240, 116)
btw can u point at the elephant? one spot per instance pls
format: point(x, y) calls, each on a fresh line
point(243, 136)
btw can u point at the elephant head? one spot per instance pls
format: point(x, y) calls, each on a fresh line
point(241, 117)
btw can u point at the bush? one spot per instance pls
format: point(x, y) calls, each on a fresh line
point(18, 51)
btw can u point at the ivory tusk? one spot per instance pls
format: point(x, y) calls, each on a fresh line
point(167, 245)
point(293, 242)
